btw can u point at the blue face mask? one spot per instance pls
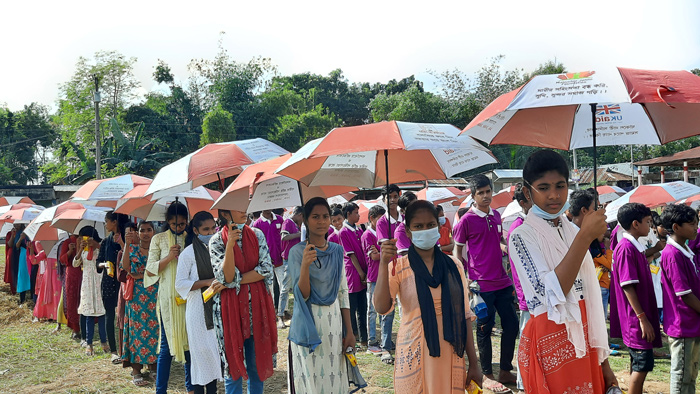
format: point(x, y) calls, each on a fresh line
point(537, 211)
point(205, 238)
point(239, 226)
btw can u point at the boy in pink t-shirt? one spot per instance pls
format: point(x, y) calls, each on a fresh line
point(370, 246)
point(350, 236)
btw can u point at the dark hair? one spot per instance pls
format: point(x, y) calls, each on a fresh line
point(89, 231)
point(278, 211)
point(478, 181)
point(406, 199)
point(132, 226)
point(677, 214)
point(222, 221)
point(580, 199)
point(146, 223)
point(299, 210)
point(121, 219)
point(630, 212)
point(376, 211)
point(257, 214)
point(461, 212)
point(334, 210)
point(656, 219)
point(392, 189)
point(440, 208)
point(176, 209)
point(311, 204)
point(519, 194)
point(348, 208)
point(418, 206)
point(541, 162)
point(197, 220)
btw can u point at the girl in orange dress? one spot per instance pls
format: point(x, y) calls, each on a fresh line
point(436, 332)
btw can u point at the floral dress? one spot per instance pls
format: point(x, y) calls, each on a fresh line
point(141, 328)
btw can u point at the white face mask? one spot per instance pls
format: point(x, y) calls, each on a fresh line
point(425, 239)
point(442, 220)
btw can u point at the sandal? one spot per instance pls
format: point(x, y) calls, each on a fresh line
point(138, 381)
point(496, 387)
point(89, 351)
point(116, 359)
point(387, 359)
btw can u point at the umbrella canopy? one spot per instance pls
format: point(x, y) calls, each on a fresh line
point(342, 198)
point(22, 214)
point(609, 193)
point(365, 206)
point(212, 163)
point(439, 195)
point(137, 203)
point(11, 200)
point(503, 198)
point(258, 188)
point(72, 220)
point(110, 189)
point(372, 155)
point(7, 208)
point(693, 202)
point(40, 229)
point(653, 196)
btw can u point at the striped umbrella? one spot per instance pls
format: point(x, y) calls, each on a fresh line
point(653, 196)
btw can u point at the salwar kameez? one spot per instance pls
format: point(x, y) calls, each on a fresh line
point(141, 326)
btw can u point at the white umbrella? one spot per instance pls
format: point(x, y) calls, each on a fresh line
point(653, 196)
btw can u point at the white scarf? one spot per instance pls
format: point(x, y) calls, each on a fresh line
point(554, 248)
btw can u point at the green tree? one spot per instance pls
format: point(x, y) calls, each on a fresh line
point(295, 130)
point(218, 126)
point(24, 136)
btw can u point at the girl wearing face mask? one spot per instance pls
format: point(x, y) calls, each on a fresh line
point(245, 316)
point(141, 328)
point(433, 290)
point(194, 280)
point(162, 269)
point(560, 286)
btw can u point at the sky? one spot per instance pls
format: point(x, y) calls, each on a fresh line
point(371, 41)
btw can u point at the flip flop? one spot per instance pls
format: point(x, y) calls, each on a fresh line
point(138, 381)
point(495, 387)
point(116, 359)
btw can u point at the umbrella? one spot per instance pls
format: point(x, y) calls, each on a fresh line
point(212, 163)
point(72, 220)
point(22, 214)
point(7, 208)
point(602, 107)
point(609, 193)
point(501, 199)
point(439, 195)
point(11, 200)
point(258, 188)
point(653, 196)
point(110, 189)
point(136, 203)
point(40, 228)
point(342, 198)
point(365, 206)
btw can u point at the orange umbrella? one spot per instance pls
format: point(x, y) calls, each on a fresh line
point(105, 192)
point(258, 188)
point(439, 195)
point(11, 200)
point(137, 203)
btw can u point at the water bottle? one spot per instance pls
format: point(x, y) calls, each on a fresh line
point(479, 306)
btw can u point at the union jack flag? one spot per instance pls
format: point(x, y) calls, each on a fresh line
point(611, 109)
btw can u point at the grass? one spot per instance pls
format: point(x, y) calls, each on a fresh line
point(33, 360)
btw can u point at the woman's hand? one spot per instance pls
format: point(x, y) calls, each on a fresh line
point(474, 373)
point(349, 341)
point(71, 248)
point(309, 256)
point(388, 251)
point(174, 252)
point(216, 286)
point(608, 375)
point(83, 244)
point(132, 238)
point(118, 239)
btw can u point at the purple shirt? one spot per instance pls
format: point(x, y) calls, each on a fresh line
point(369, 239)
point(289, 227)
point(272, 230)
point(694, 245)
point(630, 267)
point(679, 276)
point(402, 240)
point(333, 236)
point(522, 303)
point(480, 234)
point(614, 239)
point(383, 227)
point(351, 241)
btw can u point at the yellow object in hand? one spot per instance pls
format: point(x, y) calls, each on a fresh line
point(86, 238)
point(208, 294)
point(180, 301)
point(474, 388)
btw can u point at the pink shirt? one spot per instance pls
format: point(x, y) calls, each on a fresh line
point(630, 267)
point(480, 234)
point(272, 230)
point(333, 236)
point(289, 227)
point(679, 276)
point(383, 227)
point(522, 303)
point(369, 239)
point(351, 241)
point(402, 240)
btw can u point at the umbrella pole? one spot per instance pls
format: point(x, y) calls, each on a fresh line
point(595, 153)
point(386, 168)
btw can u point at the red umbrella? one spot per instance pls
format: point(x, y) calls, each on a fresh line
point(105, 192)
point(11, 200)
point(137, 203)
point(439, 195)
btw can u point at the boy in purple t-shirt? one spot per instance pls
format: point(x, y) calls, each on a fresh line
point(385, 228)
point(480, 232)
point(637, 319)
point(680, 281)
point(403, 243)
point(371, 248)
point(291, 235)
point(350, 236)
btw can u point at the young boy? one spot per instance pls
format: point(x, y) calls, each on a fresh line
point(385, 228)
point(291, 235)
point(480, 233)
point(637, 319)
point(680, 281)
point(371, 248)
point(403, 243)
point(350, 236)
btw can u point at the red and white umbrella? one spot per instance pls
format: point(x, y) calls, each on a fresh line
point(72, 220)
point(212, 163)
point(136, 203)
point(105, 192)
point(342, 198)
point(693, 202)
point(40, 229)
point(21, 214)
point(439, 195)
point(258, 188)
point(501, 199)
point(653, 196)
point(365, 206)
point(11, 200)
point(609, 193)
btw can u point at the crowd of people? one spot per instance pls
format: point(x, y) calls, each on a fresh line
point(213, 293)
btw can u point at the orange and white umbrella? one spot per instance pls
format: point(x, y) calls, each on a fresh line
point(11, 200)
point(137, 203)
point(439, 195)
point(375, 154)
point(72, 220)
point(503, 198)
point(23, 214)
point(365, 206)
point(609, 193)
point(106, 192)
point(341, 198)
point(212, 163)
point(258, 188)
point(40, 229)
point(653, 196)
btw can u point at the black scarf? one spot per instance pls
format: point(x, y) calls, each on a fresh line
point(454, 322)
point(205, 271)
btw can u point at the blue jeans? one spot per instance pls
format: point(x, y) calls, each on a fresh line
point(387, 322)
point(371, 313)
point(165, 359)
point(90, 328)
point(605, 293)
point(255, 386)
point(283, 280)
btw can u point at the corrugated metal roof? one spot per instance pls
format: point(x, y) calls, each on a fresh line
point(506, 173)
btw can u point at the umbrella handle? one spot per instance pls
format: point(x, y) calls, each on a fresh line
point(388, 216)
